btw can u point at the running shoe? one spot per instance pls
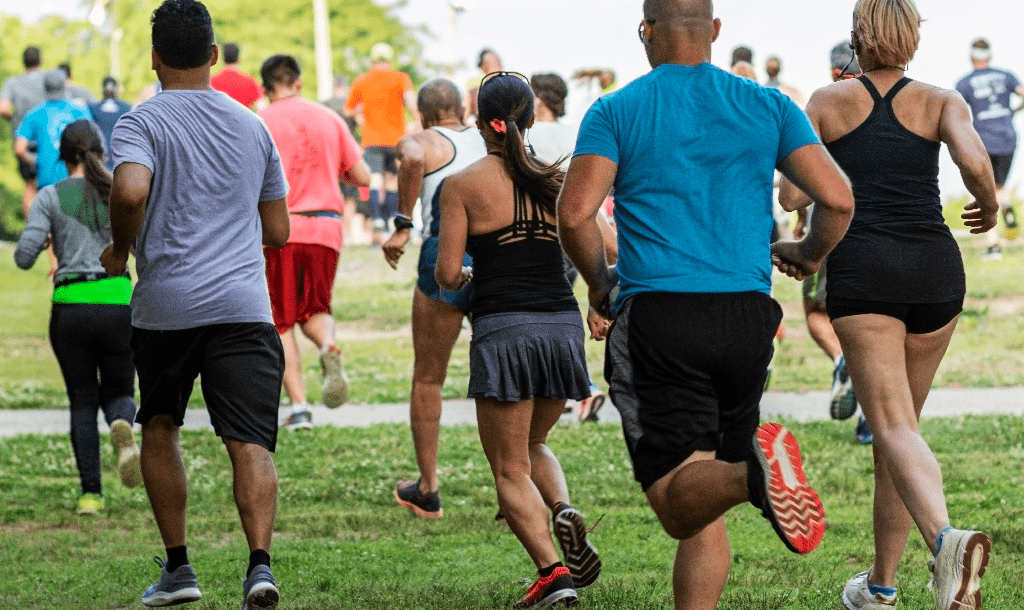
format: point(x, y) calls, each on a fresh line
point(958, 568)
point(588, 407)
point(863, 432)
point(554, 591)
point(298, 420)
point(580, 555)
point(90, 504)
point(259, 590)
point(426, 505)
point(993, 253)
point(335, 388)
point(857, 595)
point(844, 401)
point(173, 588)
point(786, 500)
point(129, 465)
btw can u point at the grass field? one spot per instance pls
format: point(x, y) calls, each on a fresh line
point(341, 542)
point(372, 305)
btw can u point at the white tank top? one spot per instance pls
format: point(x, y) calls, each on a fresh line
point(469, 148)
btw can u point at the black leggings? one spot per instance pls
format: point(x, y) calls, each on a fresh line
point(91, 344)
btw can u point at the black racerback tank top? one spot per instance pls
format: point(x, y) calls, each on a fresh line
point(898, 248)
point(519, 268)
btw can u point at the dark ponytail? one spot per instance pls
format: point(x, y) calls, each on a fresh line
point(510, 100)
point(82, 144)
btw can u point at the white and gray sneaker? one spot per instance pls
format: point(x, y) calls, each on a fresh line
point(259, 591)
point(857, 596)
point(300, 419)
point(958, 568)
point(844, 401)
point(173, 588)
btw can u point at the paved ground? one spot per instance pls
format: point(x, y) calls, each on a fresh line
point(802, 407)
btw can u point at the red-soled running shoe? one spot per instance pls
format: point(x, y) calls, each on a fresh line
point(554, 591)
point(786, 500)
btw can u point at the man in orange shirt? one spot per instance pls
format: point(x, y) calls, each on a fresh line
point(316, 150)
point(379, 95)
point(238, 85)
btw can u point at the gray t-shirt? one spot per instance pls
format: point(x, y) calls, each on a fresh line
point(24, 92)
point(71, 211)
point(199, 252)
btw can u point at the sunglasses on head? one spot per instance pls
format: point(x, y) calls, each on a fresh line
point(493, 75)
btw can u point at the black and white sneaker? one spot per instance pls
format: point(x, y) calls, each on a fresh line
point(579, 554)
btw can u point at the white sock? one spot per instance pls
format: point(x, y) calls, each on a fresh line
point(838, 358)
point(300, 408)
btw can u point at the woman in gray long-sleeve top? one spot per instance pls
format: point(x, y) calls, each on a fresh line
point(90, 323)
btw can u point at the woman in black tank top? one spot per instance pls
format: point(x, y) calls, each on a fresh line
point(526, 356)
point(896, 286)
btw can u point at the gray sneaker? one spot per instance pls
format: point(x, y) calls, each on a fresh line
point(259, 591)
point(298, 420)
point(173, 588)
point(335, 388)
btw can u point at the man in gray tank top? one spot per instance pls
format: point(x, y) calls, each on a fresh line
point(444, 147)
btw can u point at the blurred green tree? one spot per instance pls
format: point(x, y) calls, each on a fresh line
point(260, 28)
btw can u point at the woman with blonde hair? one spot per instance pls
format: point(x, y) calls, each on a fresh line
point(897, 285)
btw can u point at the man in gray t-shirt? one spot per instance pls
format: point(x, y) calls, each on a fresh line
point(198, 187)
point(20, 94)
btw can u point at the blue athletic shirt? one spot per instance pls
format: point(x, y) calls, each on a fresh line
point(696, 149)
point(44, 125)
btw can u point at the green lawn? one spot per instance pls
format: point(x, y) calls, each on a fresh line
point(341, 542)
point(372, 305)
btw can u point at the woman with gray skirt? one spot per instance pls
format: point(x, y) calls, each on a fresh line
point(526, 356)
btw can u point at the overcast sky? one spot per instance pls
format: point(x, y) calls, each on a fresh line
point(563, 35)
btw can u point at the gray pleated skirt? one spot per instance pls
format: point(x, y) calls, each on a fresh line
point(515, 356)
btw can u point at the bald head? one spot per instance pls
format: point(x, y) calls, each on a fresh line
point(438, 99)
point(680, 13)
point(679, 31)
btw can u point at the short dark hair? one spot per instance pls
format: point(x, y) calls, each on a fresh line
point(182, 33)
point(66, 67)
point(280, 70)
point(483, 53)
point(980, 43)
point(741, 53)
point(31, 57)
point(437, 97)
point(552, 90)
point(842, 56)
point(231, 53)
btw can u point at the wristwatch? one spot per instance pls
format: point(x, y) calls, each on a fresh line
point(402, 222)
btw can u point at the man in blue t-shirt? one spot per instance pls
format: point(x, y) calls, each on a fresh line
point(690, 150)
point(43, 126)
point(988, 92)
point(107, 112)
point(199, 188)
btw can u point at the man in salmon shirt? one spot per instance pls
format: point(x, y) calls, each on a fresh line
point(317, 150)
point(381, 96)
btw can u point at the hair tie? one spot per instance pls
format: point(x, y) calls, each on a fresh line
point(498, 126)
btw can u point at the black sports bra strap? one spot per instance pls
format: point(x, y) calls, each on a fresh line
point(900, 84)
point(870, 87)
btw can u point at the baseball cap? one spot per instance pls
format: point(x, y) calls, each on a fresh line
point(53, 83)
point(381, 51)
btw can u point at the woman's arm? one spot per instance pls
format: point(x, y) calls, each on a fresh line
point(34, 238)
point(968, 152)
point(449, 271)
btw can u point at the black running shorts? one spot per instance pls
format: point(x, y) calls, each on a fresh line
point(241, 368)
point(919, 318)
point(686, 372)
point(1001, 167)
